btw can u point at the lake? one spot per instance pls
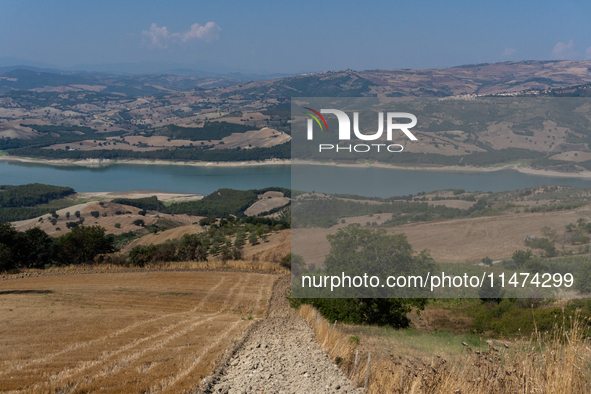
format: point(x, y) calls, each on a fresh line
point(380, 182)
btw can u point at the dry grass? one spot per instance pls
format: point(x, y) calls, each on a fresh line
point(240, 265)
point(456, 240)
point(122, 332)
point(556, 362)
point(265, 205)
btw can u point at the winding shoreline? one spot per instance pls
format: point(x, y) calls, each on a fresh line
point(108, 162)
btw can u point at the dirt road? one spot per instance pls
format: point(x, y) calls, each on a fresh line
point(280, 356)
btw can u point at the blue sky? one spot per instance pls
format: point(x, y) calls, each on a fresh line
point(292, 37)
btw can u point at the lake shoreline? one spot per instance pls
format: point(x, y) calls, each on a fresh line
point(94, 163)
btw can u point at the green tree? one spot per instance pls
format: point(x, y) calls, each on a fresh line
point(215, 248)
point(5, 258)
point(583, 278)
point(139, 222)
point(521, 256)
point(83, 244)
point(252, 238)
point(36, 247)
point(240, 240)
point(193, 247)
point(356, 251)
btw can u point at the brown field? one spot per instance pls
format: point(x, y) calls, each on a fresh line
point(457, 240)
point(163, 236)
point(162, 196)
point(91, 145)
point(575, 156)
point(277, 245)
point(107, 218)
point(133, 332)
point(262, 138)
point(159, 141)
point(453, 203)
point(265, 205)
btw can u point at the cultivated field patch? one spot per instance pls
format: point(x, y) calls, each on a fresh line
point(123, 332)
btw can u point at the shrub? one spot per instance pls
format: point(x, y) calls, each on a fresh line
point(193, 247)
point(141, 256)
point(521, 256)
point(139, 223)
point(583, 278)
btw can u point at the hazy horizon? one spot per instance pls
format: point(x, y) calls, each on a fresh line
point(288, 38)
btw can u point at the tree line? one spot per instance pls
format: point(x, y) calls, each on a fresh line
point(282, 151)
point(209, 131)
point(31, 200)
point(33, 248)
point(31, 194)
point(325, 212)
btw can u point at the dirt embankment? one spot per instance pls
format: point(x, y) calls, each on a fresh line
point(280, 355)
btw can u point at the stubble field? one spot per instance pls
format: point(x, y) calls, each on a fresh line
point(145, 332)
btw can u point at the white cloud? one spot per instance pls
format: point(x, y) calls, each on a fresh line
point(161, 37)
point(158, 36)
point(588, 53)
point(564, 51)
point(209, 32)
point(508, 52)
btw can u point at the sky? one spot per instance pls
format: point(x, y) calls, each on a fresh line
point(290, 36)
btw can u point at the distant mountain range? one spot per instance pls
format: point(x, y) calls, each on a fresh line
point(484, 79)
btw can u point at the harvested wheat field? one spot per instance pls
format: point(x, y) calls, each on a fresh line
point(130, 332)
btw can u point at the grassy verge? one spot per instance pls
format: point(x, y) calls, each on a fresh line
point(555, 362)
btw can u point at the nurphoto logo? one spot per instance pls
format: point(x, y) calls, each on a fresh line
point(345, 130)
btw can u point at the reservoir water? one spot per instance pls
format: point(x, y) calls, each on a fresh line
point(380, 182)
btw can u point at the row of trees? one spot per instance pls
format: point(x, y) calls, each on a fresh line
point(209, 131)
point(282, 151)
point(33, 248)
point(215, 242)
point(31, 200)
point(31, 194)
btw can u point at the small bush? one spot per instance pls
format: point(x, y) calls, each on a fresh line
point(139, 223)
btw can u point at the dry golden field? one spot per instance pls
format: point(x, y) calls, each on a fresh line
point(129, 332)
point(456, 240)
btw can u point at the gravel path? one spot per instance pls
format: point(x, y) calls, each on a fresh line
point(280, 355)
